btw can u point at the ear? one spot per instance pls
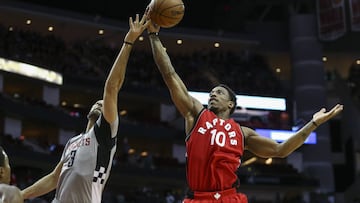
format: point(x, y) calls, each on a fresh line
point(231, 104)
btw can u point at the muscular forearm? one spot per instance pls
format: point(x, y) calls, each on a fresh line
point(266, 147)
point(117, 73)
point(178, 91)
point(41, 187)
point(161, 58)
point(297, 139)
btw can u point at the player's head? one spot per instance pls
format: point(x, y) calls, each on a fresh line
point(222, 98)
point(5, 170)
point(95, 110)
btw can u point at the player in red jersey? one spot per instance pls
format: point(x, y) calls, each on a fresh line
point(215, 143)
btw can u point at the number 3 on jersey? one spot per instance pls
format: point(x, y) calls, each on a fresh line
point(219, 138)
point(72, 158)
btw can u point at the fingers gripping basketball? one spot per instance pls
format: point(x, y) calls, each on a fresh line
point(166, 13)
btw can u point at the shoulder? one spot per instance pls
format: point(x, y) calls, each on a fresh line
point(10, 193)
point(103, 122)
point(202, 114)
point(76, 137)
point(248, 132)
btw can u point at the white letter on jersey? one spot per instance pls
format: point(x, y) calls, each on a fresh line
point(227, 127)
point(232, 134)
point(202, 130)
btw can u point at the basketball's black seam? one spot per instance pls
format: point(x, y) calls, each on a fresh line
point(159, 6)
point(160, 14)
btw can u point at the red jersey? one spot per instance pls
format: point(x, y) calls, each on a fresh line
point(213, 149)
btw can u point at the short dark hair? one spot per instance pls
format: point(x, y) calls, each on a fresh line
point(232, 96)
point(2, 157)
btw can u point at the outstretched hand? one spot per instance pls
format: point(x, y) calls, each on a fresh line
point(322, 116)
point(137, 27)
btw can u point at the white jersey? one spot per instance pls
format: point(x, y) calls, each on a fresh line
point(87, 160)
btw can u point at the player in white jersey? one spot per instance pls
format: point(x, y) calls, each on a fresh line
point(8, 193)
point(85, 165)
point(5, 169)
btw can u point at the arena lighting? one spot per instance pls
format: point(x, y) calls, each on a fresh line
point(282, 135)
point(249, 161)
point(251, 102)
point(268, 161)
point(31, 71)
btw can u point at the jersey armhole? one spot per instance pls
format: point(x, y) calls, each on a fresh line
point(103, 132)
point(243, 136)
point(197, 120)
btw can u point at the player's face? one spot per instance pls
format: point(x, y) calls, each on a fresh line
point(95, 110)
point(218, 99)
point(5, 171)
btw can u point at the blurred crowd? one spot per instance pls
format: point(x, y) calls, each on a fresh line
point(246, 72)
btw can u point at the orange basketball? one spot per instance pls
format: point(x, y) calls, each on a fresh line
point(166, 13)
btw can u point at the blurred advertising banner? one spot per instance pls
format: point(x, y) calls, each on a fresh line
point(354, 14)
point(331, 19)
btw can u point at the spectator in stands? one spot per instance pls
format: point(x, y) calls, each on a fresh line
point(215, 143)
point(82, 58)
point(85, 165)
point(8, 193)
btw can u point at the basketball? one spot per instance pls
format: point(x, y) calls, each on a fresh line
point(166, 13)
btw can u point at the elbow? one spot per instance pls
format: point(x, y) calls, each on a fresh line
point(277, 151)
point(281, 152)
point(282, 155)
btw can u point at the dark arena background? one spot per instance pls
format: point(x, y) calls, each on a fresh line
point(304, 52)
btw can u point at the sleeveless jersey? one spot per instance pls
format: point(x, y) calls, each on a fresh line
point(87, 160)
point(213, 149)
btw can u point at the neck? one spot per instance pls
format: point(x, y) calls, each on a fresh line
point(90, 124)
point(223, 115)
point(4, 181)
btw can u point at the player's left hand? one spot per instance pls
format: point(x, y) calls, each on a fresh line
point(137, 27)
point(322, 116)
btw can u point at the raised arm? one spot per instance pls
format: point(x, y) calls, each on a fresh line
point(188, 106)
point(44, 185)
point(116, 76)
point(266, 148)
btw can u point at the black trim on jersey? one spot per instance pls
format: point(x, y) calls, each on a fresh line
point(103, 133)
point(192, 128)
point(106, 143)
point(243, 136)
